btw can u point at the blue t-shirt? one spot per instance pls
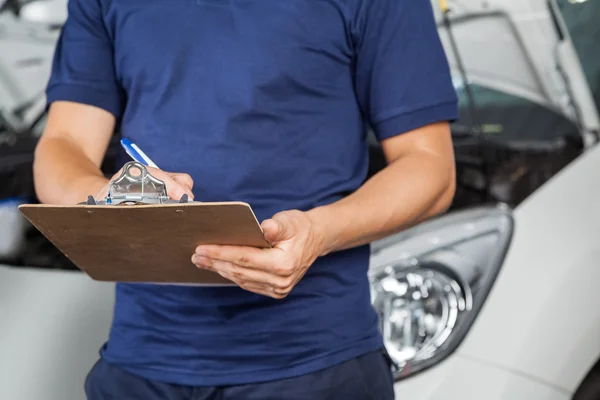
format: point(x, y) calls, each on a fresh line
point(267, 102)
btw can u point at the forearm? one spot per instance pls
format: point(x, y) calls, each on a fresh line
point(63, 174)
point(409, 190)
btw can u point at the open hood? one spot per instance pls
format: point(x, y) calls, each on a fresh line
point(512, 46)
point(520, 47)
point(26, 50)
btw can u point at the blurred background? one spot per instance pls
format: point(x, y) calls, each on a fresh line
point(527, 73)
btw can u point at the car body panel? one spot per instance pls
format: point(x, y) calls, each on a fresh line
point(535, 337)
point(537, 334)
point(27, 49)
point(542, 316)
point(52, 324)
point(523, 43)
point(68, 318)
point(465, 379)
point(520, 47)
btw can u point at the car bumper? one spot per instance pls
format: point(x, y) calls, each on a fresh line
point(51, 326)
point(463, 378)
point(69, 314)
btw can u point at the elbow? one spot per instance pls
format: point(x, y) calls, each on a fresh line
point(446, 192)
point(447, 196)
point(38, 172)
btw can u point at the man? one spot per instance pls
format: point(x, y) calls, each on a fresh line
point(263, 101)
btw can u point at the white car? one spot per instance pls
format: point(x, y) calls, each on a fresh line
point(497, 299)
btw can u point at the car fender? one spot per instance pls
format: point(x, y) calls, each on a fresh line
point(542, 316)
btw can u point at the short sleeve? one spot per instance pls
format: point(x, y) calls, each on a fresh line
point(402, 77)
point(83, 69)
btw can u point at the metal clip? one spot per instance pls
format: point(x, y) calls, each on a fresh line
point(136, 185)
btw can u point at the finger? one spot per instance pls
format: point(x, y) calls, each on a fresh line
point(184, 180)
point(244, 256)
point(185, 184)
point(247, 278)
point(265, 292)
point(270, 229)
point(277, 230)
point(174, 189)
point(232, 273)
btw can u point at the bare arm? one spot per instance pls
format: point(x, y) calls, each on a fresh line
point(70, 152)
point(418, 183)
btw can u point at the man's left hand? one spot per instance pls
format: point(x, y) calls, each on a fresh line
point(273, 272)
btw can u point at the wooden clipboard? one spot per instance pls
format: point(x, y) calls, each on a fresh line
point(150, 243)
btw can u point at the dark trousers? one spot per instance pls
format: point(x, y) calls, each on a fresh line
point(364, 378)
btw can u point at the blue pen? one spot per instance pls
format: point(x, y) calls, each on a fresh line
point(136, 153)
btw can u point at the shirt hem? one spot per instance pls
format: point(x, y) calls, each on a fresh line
point(84, 94)
point(408, 121)
point(192, 378)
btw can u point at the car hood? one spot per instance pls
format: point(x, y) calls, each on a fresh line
point(520, 47)
point(26, 50)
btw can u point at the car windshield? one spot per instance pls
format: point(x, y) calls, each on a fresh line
point(508, 117)
point(497, 83)
point(581, 18)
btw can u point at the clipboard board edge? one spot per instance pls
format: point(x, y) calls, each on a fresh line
point(29, 212)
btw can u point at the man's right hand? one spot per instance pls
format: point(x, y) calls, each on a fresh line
point(70, 152)
point(177, 184)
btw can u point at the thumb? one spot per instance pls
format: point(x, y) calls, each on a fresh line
point(276, 231)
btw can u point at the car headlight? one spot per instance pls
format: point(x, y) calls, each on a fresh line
point(428, 283)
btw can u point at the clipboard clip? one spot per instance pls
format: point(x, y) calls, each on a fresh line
point(135, 186)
